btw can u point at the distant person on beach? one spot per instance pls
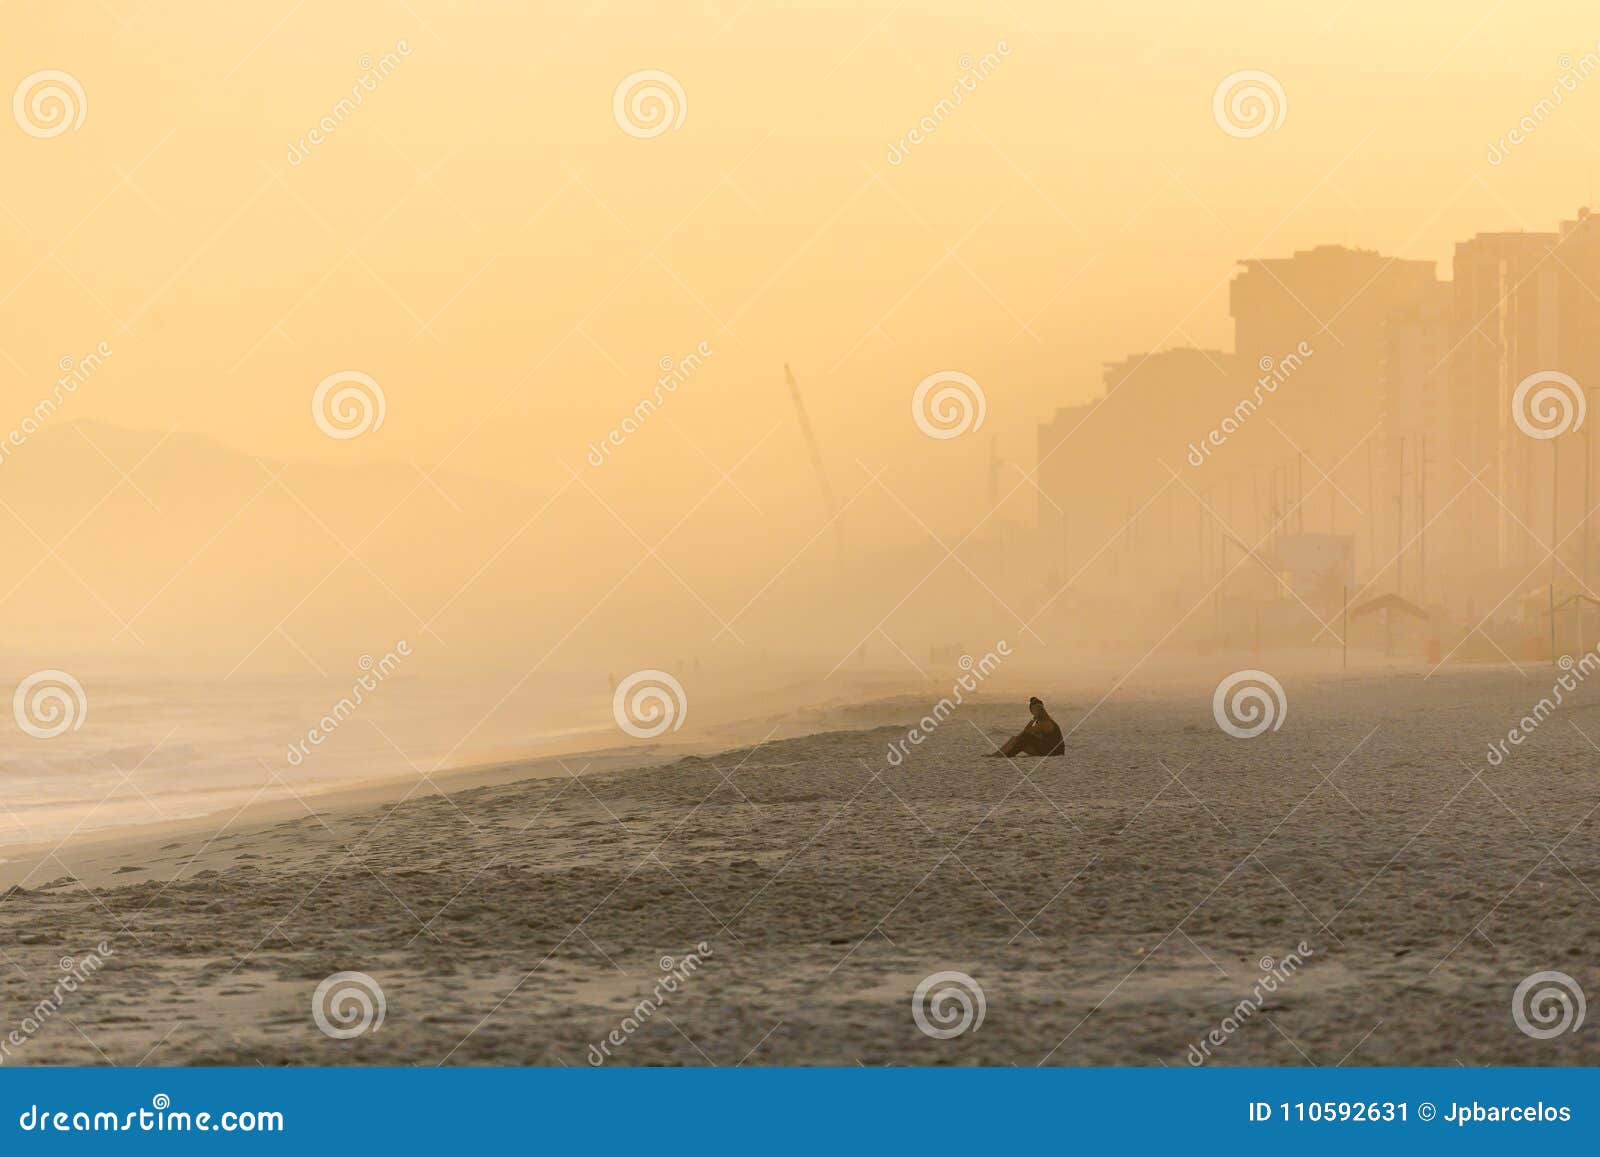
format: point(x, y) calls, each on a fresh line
point(1040, 737)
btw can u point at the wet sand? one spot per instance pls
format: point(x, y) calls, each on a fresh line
point(1114, 906)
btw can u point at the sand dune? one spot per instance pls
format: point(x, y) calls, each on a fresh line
point(1114, 906)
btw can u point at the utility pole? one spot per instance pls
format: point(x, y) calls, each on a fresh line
point(1400, 521)
point(1553, 661)
point(1583, 567)
point(1422, 522)
point(1300, 492)
point(1555, 490)
point(1372, 516)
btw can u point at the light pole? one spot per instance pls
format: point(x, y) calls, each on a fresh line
point(1588, 513)
point(1555, 536)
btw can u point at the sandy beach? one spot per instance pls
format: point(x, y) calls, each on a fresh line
point(1113, 906)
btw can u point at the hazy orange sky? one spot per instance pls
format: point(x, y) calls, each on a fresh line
point(483, 239)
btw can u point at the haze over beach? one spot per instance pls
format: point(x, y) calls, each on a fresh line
point(571, 498)
point(1166, 894)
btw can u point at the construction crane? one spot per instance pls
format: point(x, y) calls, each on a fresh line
point(816, 459)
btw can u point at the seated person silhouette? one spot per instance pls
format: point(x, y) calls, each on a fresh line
point(1040, 737)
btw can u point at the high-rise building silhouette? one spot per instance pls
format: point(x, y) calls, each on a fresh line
point(1337, 300)
point(1366, 414)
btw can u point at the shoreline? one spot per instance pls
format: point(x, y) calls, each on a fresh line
point(25, 864)
point(1112, 907)
point(377, 792)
